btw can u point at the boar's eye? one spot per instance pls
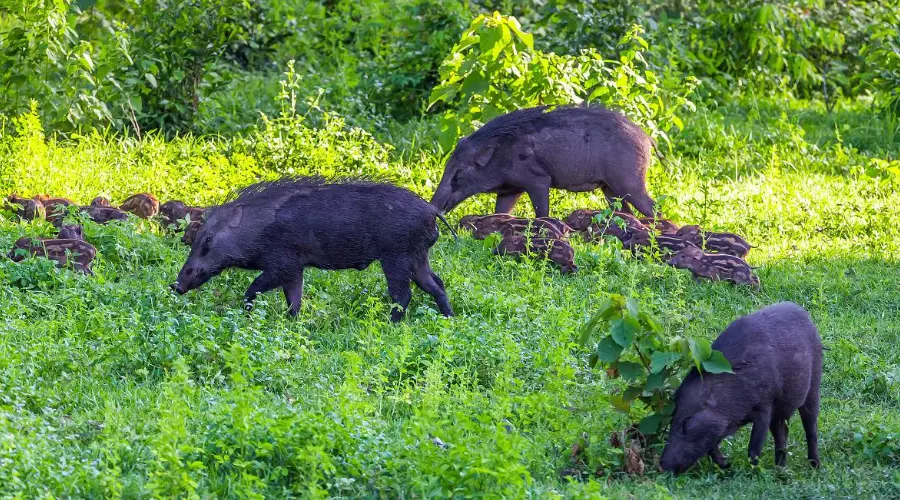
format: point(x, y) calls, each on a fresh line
point(205, 248)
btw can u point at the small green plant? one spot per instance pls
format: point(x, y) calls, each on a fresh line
point(636, 350)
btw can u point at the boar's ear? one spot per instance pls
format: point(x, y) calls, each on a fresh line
point(237, 213)
point(484, 156)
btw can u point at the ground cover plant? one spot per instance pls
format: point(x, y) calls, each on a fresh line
point(113, 386)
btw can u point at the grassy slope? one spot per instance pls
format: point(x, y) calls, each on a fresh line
point(112, 384)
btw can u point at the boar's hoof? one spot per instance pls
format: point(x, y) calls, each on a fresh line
point(814, 462)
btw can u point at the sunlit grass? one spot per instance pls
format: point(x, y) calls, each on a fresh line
point(113, 385)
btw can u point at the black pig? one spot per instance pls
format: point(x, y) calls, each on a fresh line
point(281, 227)
point(776, 356)
point(533, 150)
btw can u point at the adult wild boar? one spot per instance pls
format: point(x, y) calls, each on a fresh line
point(776, 356)
point(531, 151)
point(281, 227)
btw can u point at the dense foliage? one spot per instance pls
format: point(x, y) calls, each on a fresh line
point(778, 120)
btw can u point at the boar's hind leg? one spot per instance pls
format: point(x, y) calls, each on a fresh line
point(262, 284)
point(614, 201)
point(431, 283)
point(398, 274)
point(293, 293)
point(506, 200)
point(642, 202)
point(779, 434)
point(809, 415)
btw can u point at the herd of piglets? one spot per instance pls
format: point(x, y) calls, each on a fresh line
point(546, 237)
point(69, 247)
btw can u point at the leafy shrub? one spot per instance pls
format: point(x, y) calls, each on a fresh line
point(495, 69)
point(636, 350)
point(882, 53)
point(42, 56)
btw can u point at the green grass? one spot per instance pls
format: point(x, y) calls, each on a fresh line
point(113, 386)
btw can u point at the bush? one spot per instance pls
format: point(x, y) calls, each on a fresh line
point(636, 350)
point(495, 69)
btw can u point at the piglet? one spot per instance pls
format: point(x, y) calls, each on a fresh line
point(78, 253)
point(28, 209)
point(195, 215)
point(545, 227)
point(144, 205)
point(662, 226)
point(727, 243)
point(714, 266)
point(70, 232)
point(776, 356)
point(558, 251)
point(620, 225)
point(100, 215)
point(100, 201)
point(485, 225)
point(667, 243)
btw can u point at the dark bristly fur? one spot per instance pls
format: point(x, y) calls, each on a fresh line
point(577, 148)
point(776, 356)
point(281, 227)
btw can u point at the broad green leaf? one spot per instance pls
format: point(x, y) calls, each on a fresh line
point(622, 332)
point(655, 381)
point(650, 424)
point(700, 350)
point(717, 363)
point(150, 79)
point(608, 350)
point(592, 359)
point(619, 403)
point(490, 37)
point(630, 370)
point(632, 306)
point(659, 360)
point(527, 38)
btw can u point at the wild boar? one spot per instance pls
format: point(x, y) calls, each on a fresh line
point(662, 226)
point(281, 227)
point(71, 232)
point(727, 243)
point(144, 205)
point(78, 253)
point(545, 227)
point(100, 201)
point(557, 251)
point(533, 150)
point(27, 209)
point(483, 226)
point(666, 243)
point(776, 356)
point(714, 266)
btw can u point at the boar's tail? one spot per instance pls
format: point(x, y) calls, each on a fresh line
point(452, 231)
point(656, 150)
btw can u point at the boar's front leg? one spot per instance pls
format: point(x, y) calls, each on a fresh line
point(758, 434)
point(506, 200)
point(293, 292)
point(398, 273)
point(262, 284)
point(540, 199)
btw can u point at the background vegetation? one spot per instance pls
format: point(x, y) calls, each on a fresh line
point(778, 120)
